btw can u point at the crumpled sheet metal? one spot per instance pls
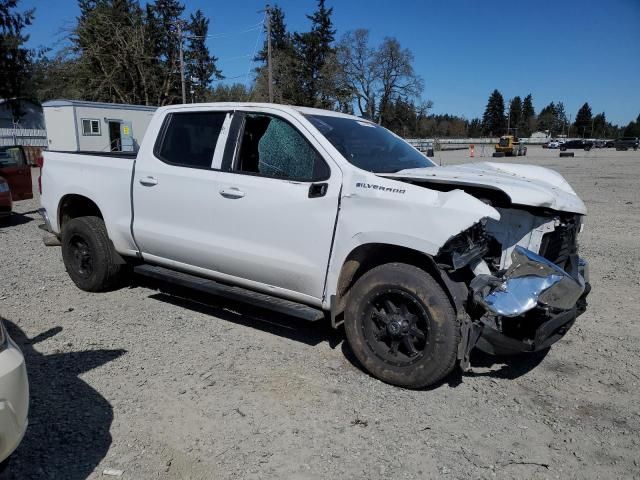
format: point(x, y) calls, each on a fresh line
point(533, 280)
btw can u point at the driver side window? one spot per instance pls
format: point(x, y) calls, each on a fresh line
point(271, 147)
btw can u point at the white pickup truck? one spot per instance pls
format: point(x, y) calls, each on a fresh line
point(421, 263)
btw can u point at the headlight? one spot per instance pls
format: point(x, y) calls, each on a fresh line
point(465, 247)
point(4, 187)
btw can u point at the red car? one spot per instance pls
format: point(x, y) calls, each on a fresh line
point(15, 179)
point(6, 203)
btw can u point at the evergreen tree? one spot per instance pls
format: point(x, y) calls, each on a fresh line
point(560, 122)
point(583, 120)
point(280, 37)
point(599, 125)
point(15, 59)
point(200, 64)
point(313, 51)
point(236, 92)
point(515, 113)
point(475, 128)
point(528, 117)
point(285, 64)
point(493, 120)
point(633, 128)
point(547, 119)
point(163, 17)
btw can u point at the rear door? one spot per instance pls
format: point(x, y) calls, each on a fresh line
point(173, 186)
point(14, 168)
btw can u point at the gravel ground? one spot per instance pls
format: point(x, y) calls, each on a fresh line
point(158, 385)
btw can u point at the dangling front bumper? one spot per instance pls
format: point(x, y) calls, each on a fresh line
point(532, 305)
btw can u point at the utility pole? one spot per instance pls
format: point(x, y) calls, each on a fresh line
point(269, 66)
point(181, 59)
point(569, 127)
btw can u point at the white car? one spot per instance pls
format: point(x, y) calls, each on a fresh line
point(554, 144)
point(14, 396)
point(422, 263)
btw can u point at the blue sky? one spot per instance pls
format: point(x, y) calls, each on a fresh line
point(564, 50)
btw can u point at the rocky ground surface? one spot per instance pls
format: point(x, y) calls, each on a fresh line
point(156, 385)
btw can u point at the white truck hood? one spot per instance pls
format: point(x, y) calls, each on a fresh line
point(525, 184)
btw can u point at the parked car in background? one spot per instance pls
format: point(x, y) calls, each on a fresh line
point(16, 171)
point(6, 203)
point(599, 143)
point(625, 143)
point(576, 145)
point(554, 144)
point(609, 144)
point(14, 396)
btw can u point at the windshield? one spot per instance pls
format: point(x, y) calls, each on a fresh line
point(504, 141)
point(369, 146)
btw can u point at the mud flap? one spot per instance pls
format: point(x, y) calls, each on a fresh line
point(470, 333)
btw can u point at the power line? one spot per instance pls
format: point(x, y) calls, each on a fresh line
point(228, 34)
point(255, 50)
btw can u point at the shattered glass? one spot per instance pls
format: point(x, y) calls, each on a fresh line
point(284, 153)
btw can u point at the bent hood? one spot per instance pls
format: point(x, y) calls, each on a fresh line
point(528, 185)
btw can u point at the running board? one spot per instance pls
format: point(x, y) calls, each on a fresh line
point(239, 294)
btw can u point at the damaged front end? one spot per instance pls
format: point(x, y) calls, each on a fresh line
point(517, 300)
point(531, 305)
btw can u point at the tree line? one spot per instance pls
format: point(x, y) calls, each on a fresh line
point(520, 119)
point(123, 52)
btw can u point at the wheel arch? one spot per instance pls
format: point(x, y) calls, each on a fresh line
point(74, 205)
point(367, 256)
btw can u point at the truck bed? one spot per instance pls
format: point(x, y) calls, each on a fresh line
point(104, 177)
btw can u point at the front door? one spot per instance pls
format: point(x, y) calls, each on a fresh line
point(14, 168)
point(275, 209)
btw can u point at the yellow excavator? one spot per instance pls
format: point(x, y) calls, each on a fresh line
point(510, 146)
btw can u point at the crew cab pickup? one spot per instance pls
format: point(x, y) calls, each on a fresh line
point(420, 263)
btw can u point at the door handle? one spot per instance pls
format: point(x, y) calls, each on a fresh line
point(148, 181)
point(232, 192)
point(318, 190)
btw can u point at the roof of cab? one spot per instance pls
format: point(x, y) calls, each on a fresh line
point(278, 106)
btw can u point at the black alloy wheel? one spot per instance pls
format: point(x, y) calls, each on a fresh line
point(396, 328)
point(81, 258)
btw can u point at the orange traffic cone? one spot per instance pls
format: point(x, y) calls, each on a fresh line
point(471, 150)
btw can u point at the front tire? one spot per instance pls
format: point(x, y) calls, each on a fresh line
point(401, 326)
point(88, 255)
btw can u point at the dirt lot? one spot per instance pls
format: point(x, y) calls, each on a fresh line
point(160, 386)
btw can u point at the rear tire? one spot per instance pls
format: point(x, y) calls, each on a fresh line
point(401, 326)
point(88, 255)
